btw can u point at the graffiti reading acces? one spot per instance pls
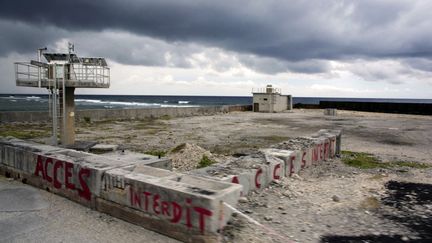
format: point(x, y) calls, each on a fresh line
point(50, 170)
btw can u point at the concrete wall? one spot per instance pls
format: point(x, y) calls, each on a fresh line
point(387, 107)
point(108, 114)
point(255, 172)
point(185, 207)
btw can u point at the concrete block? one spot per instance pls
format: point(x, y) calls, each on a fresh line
point(256, 166)
point(140, 158)
point(276, 167)
point(330, 112)
point(287, 156)
point(252, 176)
point(306, 155)
point(338, 142)
point(103, 147)
point(190, 202)
point(330, 145)
point(245, 179)
point(317, 150)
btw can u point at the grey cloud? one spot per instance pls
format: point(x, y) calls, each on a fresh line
point(267, 36)
point(294, 30)
point(273, 66)
point(18, 37)
point(134, 50)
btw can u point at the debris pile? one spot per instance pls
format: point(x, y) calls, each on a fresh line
point(186, 157)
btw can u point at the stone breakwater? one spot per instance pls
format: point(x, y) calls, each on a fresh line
point(140, 189)
point(257, 171)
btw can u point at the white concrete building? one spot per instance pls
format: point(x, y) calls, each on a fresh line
point(270, 99)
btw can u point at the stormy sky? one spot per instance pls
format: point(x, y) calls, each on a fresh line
point(339, 48)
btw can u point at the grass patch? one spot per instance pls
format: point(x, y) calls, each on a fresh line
point(410, 164)
point(23, 134)
point(361, 160)
point(205, 161)
point(377, 177)
point(159, 153)
point(368, 161)
point(165, 117)
point(370, 203)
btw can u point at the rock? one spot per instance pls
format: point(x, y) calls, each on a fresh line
point(404, 238)
point(281, 208)
point(289, 194)
point(277, 182)
point(335, 198)
point(297, 177)
point(268, 218)
point(243, 200)
point(248, 211)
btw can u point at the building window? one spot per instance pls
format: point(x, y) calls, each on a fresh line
point(265, 99)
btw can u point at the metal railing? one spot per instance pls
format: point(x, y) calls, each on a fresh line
point(77, 72)
point(89, 73)
point(264, 90)
point(28, 72)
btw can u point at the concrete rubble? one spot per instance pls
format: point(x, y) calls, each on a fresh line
point(143, 190)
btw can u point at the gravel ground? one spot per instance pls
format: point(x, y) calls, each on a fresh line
point(332, 202)
point(329, 202)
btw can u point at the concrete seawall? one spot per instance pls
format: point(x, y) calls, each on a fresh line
point(108, 114)
point(386, 107)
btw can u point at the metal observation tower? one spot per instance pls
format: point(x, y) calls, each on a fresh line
point(60, 75)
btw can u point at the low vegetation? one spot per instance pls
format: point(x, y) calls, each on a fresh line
point(205, 161)
point(369, 161)
point(370, 203)
point(24, 134)
point(159, 153)
point(25, 130)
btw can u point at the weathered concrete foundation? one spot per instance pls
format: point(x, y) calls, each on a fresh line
point(257, 171)
point(185, 207)
point(140, 189)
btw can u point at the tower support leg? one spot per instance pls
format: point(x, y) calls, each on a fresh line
point(67, 134)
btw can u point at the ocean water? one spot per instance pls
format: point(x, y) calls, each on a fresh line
point(29, 102)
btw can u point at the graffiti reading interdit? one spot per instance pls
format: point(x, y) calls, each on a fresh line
point(175, 211)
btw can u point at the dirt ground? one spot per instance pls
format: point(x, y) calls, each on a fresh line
point(329, 202)
point(390, 136)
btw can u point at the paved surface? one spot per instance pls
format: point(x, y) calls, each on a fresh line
point(28, 214)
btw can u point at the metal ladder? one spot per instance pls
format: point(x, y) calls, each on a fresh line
point(57, 105)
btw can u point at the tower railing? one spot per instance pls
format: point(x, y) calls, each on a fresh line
point(28, 72)
point(264, 90)
point(99, 75)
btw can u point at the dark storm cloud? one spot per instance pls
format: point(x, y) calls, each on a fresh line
point(292, 31)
